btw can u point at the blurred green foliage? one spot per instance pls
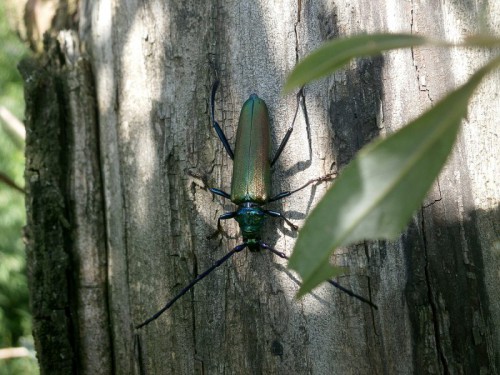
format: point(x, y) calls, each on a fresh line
point(15, 319)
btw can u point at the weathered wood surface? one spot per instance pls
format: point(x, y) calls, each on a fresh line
point(153, 64)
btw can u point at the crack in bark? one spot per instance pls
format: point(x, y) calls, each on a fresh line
point(299, 9)
point(138, 355)
point(105, 230)
point(432, 203)
point(441, 358)
point(193, 312)
point(422, 86)
point(432, 303)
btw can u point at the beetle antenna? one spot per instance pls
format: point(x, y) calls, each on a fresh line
point(334, 283)
point(200, 277)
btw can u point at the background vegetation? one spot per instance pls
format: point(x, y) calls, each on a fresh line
point(15, 319)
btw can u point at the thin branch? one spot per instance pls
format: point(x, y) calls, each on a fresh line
point(10, 182)
point(8, 353)
point(12, 123)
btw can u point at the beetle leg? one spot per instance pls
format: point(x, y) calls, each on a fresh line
point(216, 125)
point(281, 216)
point(288, 132)
point(285, 194)
point(263, 245)
point(225, 216)
point(283, 143)
point(220, 192)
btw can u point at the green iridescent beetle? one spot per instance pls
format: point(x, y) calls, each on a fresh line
point(251, 186)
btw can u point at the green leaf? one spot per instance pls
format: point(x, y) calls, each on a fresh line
point(481, 40)
point(335, 54)
point(379, 190)
point(338, 52)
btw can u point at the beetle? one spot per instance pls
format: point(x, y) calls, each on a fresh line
point(251, 186)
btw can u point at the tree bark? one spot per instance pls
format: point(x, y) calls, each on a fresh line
point(120, 153)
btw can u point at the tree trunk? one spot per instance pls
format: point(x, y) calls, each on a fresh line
point(120, 153)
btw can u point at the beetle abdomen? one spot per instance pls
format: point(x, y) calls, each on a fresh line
point(251, 165)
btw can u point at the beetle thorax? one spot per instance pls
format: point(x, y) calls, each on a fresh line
point(250, 218)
